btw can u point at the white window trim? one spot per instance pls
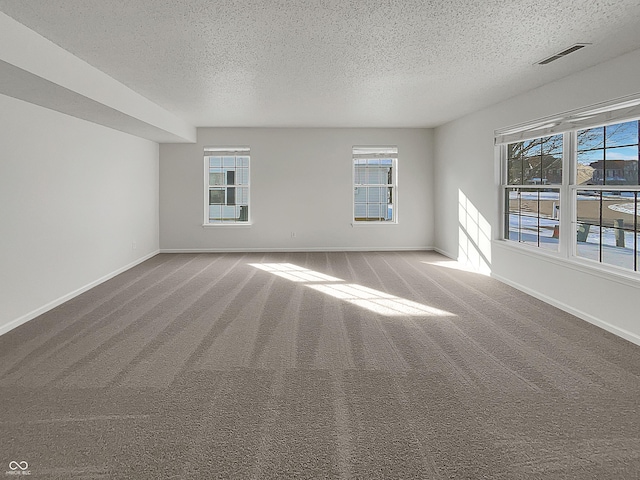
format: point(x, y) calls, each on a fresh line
point(205, 164)
point(569, 123)
point(377, 223)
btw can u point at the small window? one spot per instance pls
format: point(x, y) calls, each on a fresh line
point(227, 184)
point(375, 184)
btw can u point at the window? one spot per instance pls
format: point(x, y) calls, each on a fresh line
point(532, 194)
point(576, 191)
point(607, 215)
point(227, 185)
point(375, 184)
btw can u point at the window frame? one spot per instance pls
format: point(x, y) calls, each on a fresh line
point(560, 187)
point(607, 114)
point(241, 151)
point(377, 152)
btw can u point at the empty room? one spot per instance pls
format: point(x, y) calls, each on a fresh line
point(372, 239)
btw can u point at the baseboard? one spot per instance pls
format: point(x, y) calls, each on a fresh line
point(446, 254)
point(620, 332)
point(290, 249)
point(59, 301)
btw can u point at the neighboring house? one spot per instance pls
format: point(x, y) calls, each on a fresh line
point(614, 172)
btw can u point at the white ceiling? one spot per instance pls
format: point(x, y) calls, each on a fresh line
point(331, 63)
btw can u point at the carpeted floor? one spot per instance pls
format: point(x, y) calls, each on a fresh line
point(311, 366)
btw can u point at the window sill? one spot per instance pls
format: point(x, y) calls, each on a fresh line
point(607, 272)
point(227, 225)
point(371, 224)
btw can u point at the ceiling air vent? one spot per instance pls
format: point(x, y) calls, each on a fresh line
point(563, 53)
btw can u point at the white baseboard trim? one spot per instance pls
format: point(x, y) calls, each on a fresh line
point(620, 332)
point(446, 254)
point(59, 301)
point(289, 249)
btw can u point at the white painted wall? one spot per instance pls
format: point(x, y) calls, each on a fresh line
point(466, 172)
point(73, 197)
point(45, 74)
point(301, 182)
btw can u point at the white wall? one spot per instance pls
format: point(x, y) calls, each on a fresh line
point(466, 172)
point(300, 182)
point(73, 197)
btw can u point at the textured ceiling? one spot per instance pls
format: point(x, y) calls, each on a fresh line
point(341, 63)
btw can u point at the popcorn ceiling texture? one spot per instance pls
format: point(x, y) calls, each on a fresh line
point(331, 62)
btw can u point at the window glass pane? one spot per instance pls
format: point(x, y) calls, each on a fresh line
point(374, 195)
point(549, 234)
point(532, 170)
point(549, 229)
point(378, 175)
point(622, 166)
point(514, 164)
point(552, 146)
point(242, 161)
point(241, 176)
point(229, 213)
point(532, 216)
point(588, 208)
point(588, 230)
point(216, 196)
point(622, 134)
point(590, 168)
point(231, 196)
point(552, 169)
point(360, 210)
point(535, 162)
point(590, 138)
point(617, 247)
point(374, 211)
point(228, 161)
point(512, 210)
point(617, 210)
point(242, 195)
point(531, 148)
point(588, 245)
point(529, 218)
point(216, 178)
point(215, 161)
point(370, 176)
point(215, 211)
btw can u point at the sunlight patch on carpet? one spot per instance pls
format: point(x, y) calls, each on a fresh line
point(364, 297)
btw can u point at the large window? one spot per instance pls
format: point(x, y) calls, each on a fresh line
point(607, 194)
point(227, 185)
point(576, 191)
point(374, 184)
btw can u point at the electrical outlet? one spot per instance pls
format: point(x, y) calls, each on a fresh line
point(293, 234)
point(134, 245)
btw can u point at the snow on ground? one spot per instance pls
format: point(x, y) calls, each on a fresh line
point(611, 254)
point(625, 208)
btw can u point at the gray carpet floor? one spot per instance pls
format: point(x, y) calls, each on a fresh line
point(311, 366)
